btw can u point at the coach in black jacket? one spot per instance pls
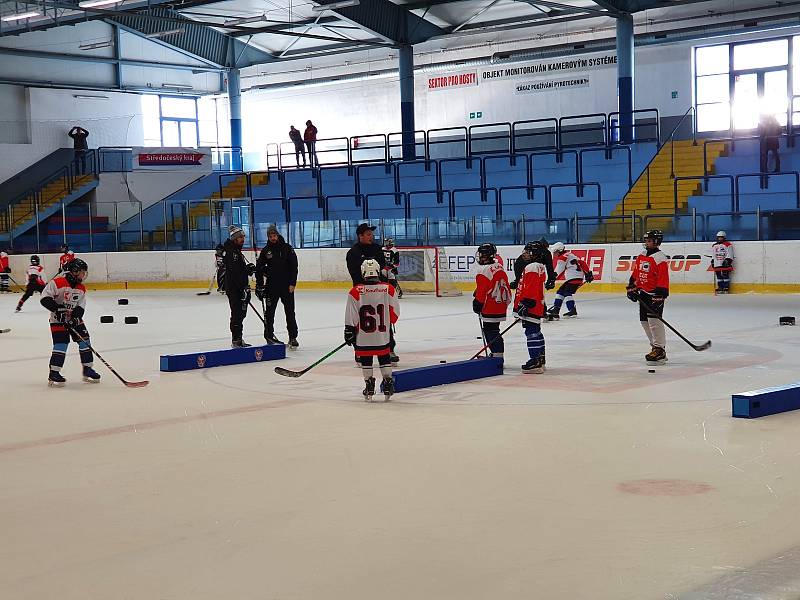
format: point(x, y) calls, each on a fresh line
point(362, 250)
point(277, 264)
point(237, 283)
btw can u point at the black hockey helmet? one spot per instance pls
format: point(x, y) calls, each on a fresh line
point(537, 250)
point(486, 254)
point(64, 248)
point(389, 242)
point(35, 259)
point(654, 234)
point(75, 265)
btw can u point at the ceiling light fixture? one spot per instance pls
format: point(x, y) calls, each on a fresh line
point(160, 34)
point(177, 86)
point(95, 3)
point(89, 97)
point(95, 45)
point(245, 20)
point(335, 5)
point(20, 16)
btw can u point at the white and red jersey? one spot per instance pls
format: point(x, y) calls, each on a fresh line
point(65, 258)
point(60, 290)
point(372, 308)
point(531, 287)
point(651, 272)
point(493, 292)
point(36, 273)
point(720, 252)
point(571, 266)
point(3, 262)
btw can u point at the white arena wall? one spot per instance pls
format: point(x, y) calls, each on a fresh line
point(760, 267)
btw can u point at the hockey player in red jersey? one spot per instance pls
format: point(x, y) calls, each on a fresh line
point(5, 269)
point(650, 284)
point(722, 263)
point(575, 271)
point(66, 256)
point(65, 298)
point(35, 281)
point(492, 296)
point(372, 308)
point(529, 307)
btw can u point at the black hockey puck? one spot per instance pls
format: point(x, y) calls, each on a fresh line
point(785, 320)
point(122, 301)
point(651, 370)
point(442, 361)
point(131, 320)
point(106, 319)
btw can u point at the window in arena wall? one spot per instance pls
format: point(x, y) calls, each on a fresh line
point(735, 83)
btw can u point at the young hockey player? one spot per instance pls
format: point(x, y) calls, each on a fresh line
point(392, 263)
point(65, 298)
point(492, 296)
point(575, 271)
point(66, 256)
point(219, 255)
point(650, 285)
point(237, 283)
point(372, 308)
point(35, 281)
point(722, 263)
point(529, 307)
point(5, 269)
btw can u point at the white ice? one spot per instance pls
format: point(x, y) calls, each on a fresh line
point(595, 480)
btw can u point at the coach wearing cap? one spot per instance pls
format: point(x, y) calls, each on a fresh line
point(362, 250)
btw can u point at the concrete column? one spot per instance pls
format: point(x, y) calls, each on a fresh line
point(235, 101)
point(407, 101)
point(625, 77)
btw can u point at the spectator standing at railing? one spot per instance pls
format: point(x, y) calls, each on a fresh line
point(310, 137)
point(769, 130)
point(79, 135)
point(297, 139)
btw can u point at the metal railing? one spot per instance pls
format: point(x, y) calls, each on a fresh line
point(705, 179)
point(765, 183)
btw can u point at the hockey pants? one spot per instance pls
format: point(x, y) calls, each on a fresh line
point(533, 334)
point(566, 292)
point(238, 313)
point(271, 305)
point(491, 333)
point(723, 278)
point(61, 337)
point(4, 282)
point(654, 328)
point(384, 362)
point(29, 290)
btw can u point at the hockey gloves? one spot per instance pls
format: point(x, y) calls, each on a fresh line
point(67, 316)
point(588, 276)
point(350, 335)
point(251, 269)
point(513, 285)
point(549, 284)
point(525, 306)
point(261, 292)
point(477, 307)
point(632, 293)
point(727, 263)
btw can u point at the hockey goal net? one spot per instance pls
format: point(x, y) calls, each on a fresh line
point(425, 270)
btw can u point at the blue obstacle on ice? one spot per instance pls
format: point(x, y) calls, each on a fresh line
point(769, 401)
point(221, 358)
point(454, 372)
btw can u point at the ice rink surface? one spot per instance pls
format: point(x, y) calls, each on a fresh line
point(595, 480)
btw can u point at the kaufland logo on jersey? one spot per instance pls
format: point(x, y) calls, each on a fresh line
point(677, 262)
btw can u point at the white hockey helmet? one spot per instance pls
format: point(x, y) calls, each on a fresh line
point(557, 248)
point(722, 234)
point(370, 269)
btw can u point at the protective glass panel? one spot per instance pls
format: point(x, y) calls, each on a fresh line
point(712, 60)
point(761, 54)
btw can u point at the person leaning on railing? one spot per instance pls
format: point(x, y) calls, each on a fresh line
point(769, 131)
point(79, 135)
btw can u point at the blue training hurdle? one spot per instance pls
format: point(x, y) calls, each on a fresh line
point(768, 401)
point(221, 358)
point(454, 372)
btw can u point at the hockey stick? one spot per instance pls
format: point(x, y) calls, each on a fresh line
point(258, 314)
point(497, 337)
point(5, 330)
point(699, 348)
point(483, 335)
point(210, 285)
point(130, 384)
point(288, 373)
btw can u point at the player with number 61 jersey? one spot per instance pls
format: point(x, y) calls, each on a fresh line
point(372, 308)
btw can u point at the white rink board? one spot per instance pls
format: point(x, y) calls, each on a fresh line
point(759, 263)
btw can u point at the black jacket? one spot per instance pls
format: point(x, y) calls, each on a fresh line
point(236, 277)
point(358, 254)
point(278, 264)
